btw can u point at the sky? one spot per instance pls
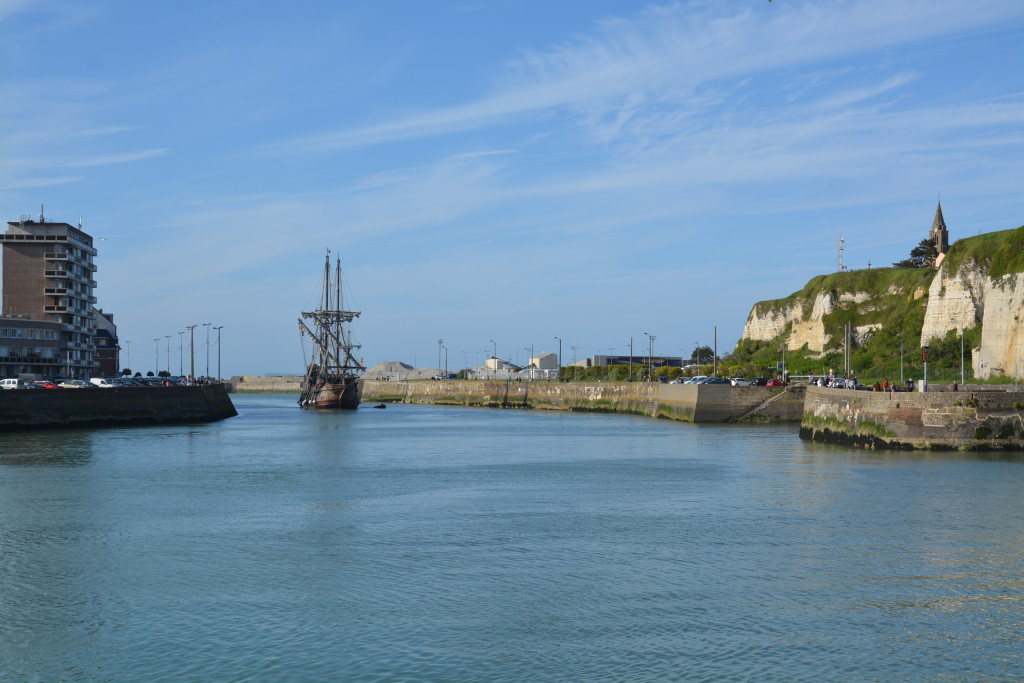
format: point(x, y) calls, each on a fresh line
point(498, 175)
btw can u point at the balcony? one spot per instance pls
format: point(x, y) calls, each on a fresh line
point(55, 291)
point(55, 309)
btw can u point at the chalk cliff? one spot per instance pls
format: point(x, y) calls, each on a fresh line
point(979, 283)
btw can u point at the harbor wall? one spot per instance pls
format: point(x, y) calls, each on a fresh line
point(965, 420)
point(685, 402)
point(250, 384)
point(49, 408)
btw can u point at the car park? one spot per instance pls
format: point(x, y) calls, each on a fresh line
point(75, 384)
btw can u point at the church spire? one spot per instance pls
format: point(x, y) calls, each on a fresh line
point(938, 234)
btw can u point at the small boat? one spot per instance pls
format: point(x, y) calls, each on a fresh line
point(332, 375)
point(380, 406)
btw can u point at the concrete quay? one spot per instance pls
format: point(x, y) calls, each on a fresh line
point(122, 406)
point(963, 420)
point(684, 402)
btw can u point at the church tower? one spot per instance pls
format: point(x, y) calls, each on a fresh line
point(939, 235)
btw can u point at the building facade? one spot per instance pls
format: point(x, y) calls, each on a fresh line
point(48, 284)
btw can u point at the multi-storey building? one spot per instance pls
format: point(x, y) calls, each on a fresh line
point(47, 290)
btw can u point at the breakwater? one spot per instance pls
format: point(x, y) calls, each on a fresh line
point(685, 402)
point(965, 420)
point(52, 408)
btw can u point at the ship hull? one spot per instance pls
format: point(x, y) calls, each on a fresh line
point(343, 395)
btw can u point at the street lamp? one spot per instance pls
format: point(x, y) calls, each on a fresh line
point(156, 358)
point(575, 368)
point(181, 354)
point(129, 363)
point(218, 351)
point(191, 352)
point(650, 357)
point(439, 342)
point(901, 356)
point(207, 326)
point(168, 338)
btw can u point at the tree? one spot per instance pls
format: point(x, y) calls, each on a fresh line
point(126, 372)
point(921, 256)
point(702, 354)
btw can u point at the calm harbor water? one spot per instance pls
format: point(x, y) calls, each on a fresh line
point(428, 543)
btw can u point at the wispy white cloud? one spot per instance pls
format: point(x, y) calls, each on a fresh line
point(674, 51)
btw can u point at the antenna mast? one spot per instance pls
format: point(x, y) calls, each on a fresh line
point(841, 241)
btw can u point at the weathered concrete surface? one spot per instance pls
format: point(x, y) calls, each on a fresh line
point(686, 402)
point(990, 420)
point(50, 408)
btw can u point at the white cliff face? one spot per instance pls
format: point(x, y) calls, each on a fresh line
point(770, 323)
point(955, 301)
point(958, 301)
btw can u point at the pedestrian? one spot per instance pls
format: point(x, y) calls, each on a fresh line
point(955, 388)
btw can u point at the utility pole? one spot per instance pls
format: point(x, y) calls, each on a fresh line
point(559, 357)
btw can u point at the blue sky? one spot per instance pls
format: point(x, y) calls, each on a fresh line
point(515, 171)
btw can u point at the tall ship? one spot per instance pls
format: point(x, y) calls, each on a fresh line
point(332, 376)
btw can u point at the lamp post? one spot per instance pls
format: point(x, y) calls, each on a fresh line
point(495, 357)
point(156, 358)
point(439, 343)
point(445, 362)
point(650, 357)
point(901, 357)
point(218, 351)
point(207, 326)
point(191, 352)
point(181, 354)
point(575, 368)
point(129, 363)
point(168, 338)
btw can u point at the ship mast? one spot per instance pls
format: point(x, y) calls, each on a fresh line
point(333, 347)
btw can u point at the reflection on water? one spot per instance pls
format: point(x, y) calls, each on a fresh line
point(46, 448)
point(426, 543)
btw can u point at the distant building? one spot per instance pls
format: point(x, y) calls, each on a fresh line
point(106, 356)
point(939, 235)
point(48, 318)
point(605, 361)
point(544, 361)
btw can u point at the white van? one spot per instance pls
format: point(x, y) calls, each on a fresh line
point(102, 383)
point(14, 383)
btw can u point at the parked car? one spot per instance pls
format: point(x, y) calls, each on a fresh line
point(759, 382)
point(14, 383)
point(740, 382)
point(775, 383)
point(716, 380)
point(44, 384)
point(75, 384)
point(696, 380)
point(102, 383)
